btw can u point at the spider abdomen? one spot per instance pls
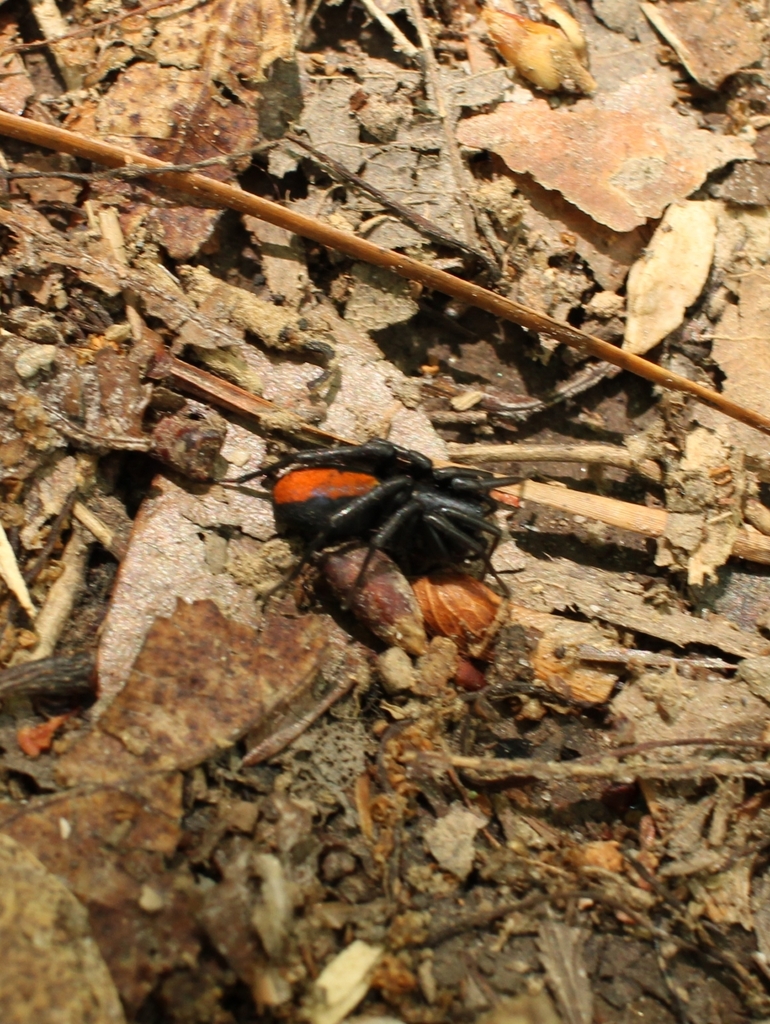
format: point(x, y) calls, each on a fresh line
point(304, 499)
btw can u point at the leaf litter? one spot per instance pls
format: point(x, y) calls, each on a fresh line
point(467, 827)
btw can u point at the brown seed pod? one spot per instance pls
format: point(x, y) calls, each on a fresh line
point(459, 606)
point(384, 601)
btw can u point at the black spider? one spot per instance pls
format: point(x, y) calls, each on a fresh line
point(392, 496)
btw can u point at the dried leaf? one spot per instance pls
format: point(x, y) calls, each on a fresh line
point(561, 951)
point(662, 707)
point(741, 345)
point(15, 84)
point(451, 840)
point(725, 897)
point(713, 41)
point(671, 274)
point(107, 844)
point(705, 500)
point(343, 983)
point(200, 683)
point(192, 117)
point(50, 968)
point(621, 164)
point(378, 299)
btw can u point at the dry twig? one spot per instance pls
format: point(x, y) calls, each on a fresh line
point(221, 194)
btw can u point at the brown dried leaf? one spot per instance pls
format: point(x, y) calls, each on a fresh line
point(223, 44)
point(236, 42)
point(713, 41)
point(50, 968)
point(110, 847)
point(200, 682)
point(565, 229)
point(621, 164)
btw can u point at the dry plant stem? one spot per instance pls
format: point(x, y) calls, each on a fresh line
point(61, 598)
point(9, 570)
point(99, 530)
point(89, 30)
point(210, 388)
point(651, 522)
point(633, 657)
point(113, 235)
point(286, 734)
point(221, 194)
point(399, 39)
point(596, 454)
point(498, 768)
point(54, 677)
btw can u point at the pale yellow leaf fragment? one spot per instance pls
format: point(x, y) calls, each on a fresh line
point(671, 274)
point(343, 983)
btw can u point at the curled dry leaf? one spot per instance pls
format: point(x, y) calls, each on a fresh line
point(551, 58)
point(457, 606)
point(621, 164)
point(670, 275)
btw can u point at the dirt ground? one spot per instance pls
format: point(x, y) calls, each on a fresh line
point(525, 792)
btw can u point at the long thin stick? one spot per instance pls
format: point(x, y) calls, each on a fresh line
point(221, 194)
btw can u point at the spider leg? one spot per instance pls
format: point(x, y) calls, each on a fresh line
point(343, 522)
point(383, 535)
point(382, 456)
point(441, 522)
point(469, 519)
point(470, 485)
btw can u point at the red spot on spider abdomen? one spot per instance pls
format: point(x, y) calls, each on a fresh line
point(300, 485)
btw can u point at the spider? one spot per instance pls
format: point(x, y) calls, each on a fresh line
point(391, 495)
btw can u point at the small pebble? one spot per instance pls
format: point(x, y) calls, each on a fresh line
point(336, 865)
point(33, 359)
point(396, 671)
